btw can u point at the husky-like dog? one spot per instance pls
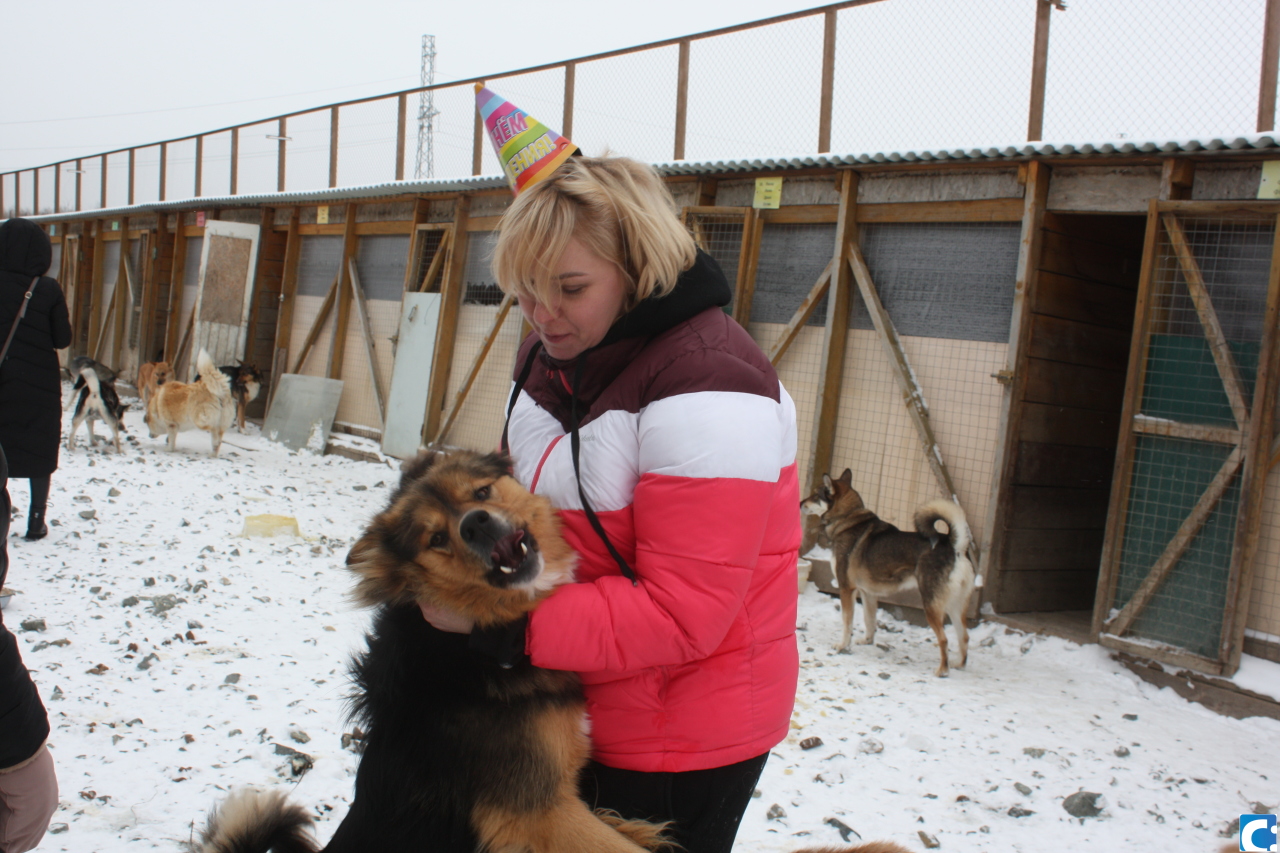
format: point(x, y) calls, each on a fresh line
point(461, 754)
point(97, 400)
point(874, 558)
point(204, 404)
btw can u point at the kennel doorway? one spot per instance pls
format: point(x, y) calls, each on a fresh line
point(1064, 416)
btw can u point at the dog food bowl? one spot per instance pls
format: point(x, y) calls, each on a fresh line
point(802, 568)
point(270, 525)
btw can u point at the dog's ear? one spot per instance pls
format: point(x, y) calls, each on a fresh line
point(415, 468)
point(377, 558)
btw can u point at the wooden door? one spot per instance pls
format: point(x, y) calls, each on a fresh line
point(1195, 436)
point(411, 376)
point(224, 291)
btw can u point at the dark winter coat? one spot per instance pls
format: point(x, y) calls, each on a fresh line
point(30, 383)
point(24, 725)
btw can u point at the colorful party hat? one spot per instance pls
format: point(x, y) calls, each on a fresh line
point(527, 149)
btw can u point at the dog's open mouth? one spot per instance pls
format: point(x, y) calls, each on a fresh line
point(515, 557)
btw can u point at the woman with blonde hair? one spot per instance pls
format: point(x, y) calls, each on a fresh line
point(677, 487)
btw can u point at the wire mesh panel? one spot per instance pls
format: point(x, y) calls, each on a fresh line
point(948, 289)
point(319, 257)
point(1202, 351)
point(454, 128)
point(480, 284)
point(479, 422)
point(67, 187)
point(643, 127)
point(720, 236)
point(367, 142)
point(380, 262)
point(146, 177)
point(1188, 73)
point(180, 169)
point(107, 309)
point(426, 248)
point(307, 151)
point(259, 157)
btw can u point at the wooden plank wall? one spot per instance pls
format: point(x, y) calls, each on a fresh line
point(1081, 316)
point(266, 310)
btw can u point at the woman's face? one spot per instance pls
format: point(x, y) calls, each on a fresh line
point(592, 295)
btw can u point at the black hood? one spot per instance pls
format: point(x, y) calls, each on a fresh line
point(24, 248)
point(698, 288)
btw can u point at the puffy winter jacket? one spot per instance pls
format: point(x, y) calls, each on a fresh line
point(687, 460)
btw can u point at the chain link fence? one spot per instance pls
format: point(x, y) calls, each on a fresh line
point(903, 75)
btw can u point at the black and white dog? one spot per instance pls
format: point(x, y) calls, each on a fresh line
point(97, 400)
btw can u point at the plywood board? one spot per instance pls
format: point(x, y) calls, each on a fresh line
point(302, 411)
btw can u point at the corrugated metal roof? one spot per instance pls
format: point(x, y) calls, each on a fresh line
point(1018, 151)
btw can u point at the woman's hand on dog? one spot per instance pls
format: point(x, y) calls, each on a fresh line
point(443, 619)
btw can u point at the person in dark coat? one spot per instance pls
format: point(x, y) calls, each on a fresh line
point(30, 380)
point(28, 783)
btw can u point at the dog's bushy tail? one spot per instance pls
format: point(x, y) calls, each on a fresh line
point(957, 524)
point(213, 378)
point(252, 821)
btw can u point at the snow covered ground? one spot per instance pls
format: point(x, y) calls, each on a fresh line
point(179, 659)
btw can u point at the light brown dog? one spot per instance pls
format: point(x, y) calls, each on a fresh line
point(206, 404)
point(151, 376)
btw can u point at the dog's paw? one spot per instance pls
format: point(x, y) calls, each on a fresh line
point(844, 650)
point(866, 641)
point(650, 836)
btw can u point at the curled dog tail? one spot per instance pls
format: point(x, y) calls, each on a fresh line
point(213, 378)
point(252, 821)
point(931, 513)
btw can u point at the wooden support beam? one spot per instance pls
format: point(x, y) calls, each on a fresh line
point(1223, 358)
point(1176, 177)
point(177, 276)
point(132, 174)
point(164, 170)
point(801, 315)
point(266, 220)
point(102, 326)
point(748, 264)
point(1008, 425)
point(402, 126)
point(1122, 475)
point(321, 316)
point(421, 211)
point(1144, 425)
point(95, 285)
point(362, 315)
point(836, 335)
point(827, 90)
point(288, 294)
point(447, 329)
point(1254, 482)
point(57, 188)
point(478, 362)
point(437, 260)
point(123, 304)
point(338, 345)
point(187, 329)
point(1270, 60)
point(1178, 545)
point(80, 185)
point(682, 99)
point(1039, 71)
point(102, 193)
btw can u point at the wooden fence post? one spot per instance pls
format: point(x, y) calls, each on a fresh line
point(682, 99)
point(1270, 60)
point(199, 165)
point(828, 81)
point(402, 125)
point(1039, 71)
point(235, 159)
point(333, 146)
point(281, 139)
point(570, 80)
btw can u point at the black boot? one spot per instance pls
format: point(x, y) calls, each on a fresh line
point(36, 528)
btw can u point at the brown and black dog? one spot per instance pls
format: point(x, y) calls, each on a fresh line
point(461, 754)
point(874, 558)
point(246, 384)
point(151, 375)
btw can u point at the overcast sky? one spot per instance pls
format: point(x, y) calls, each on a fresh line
point(98, 76)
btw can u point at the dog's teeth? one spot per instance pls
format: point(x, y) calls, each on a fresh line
point(524, 550)
point(506, 570)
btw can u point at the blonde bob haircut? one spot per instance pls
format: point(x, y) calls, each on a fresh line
point(616, 207)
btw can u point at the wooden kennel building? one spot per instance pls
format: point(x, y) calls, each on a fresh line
point(1079, 345)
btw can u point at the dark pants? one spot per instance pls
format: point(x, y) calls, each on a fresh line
point(705, 805)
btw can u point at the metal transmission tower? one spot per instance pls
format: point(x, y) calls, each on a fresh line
point(425, 164)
